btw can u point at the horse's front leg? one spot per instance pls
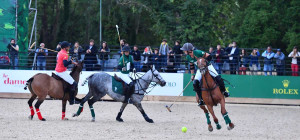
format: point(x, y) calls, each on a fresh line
point(210, 108)
point(210, 128)
point(140, 108)
point(118, 118)
point(228, 122)
point(64, 104)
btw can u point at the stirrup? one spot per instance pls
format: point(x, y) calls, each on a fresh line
point(201, 103)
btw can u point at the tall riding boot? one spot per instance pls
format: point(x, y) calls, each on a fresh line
point(72, 93)
point(197, 89)
point(126, 93)
point(222, 86)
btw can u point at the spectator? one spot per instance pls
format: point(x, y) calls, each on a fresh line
point(13, 50)
point(90, 56)
point(76, 51)
point(41, 57)
point(122, 44)
point(254, 61)
point(295, 54)
point(218, 59)
point(233, 54)
point(104, 51)
point(279, 56)
point(171, 56)
point(268, 55)
point(147, 52)
point(243, 62)
point(213, 55)
point(163, 52)
point(155, 59)
point(136, 58)
point(178, 53)
point(58, 47)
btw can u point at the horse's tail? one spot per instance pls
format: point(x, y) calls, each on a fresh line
point(86, 80)
point(28, 82)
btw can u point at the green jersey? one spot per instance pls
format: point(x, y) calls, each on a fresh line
point(198, 53)
point(127, 62)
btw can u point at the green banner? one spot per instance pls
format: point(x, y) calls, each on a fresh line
point(277, 87)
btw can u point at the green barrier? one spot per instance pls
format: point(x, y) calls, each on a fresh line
point(276, 87)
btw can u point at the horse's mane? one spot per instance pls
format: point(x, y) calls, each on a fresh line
point(73, 70)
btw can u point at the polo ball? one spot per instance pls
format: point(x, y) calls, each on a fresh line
point(183, 129)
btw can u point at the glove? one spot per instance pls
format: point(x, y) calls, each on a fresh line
point(134, 70)
point(192, 77)
point(124, 69)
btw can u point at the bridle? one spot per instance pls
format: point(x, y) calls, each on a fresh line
point(152, 85)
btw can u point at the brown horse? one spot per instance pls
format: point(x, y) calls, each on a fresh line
point(41, 85)
point(212, 95)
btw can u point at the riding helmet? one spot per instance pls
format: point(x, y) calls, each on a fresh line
point(65, 44)
point(126, 49)
point(187, 47)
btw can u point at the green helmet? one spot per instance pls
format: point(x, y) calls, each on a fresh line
point(126, 49)
point(187, 47)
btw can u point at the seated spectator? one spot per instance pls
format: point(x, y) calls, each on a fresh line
point(147, 52)
point(41, 53)
point(136, 54)
point(155, 59)
point(279, 56)
point(295, 54)
point(178, 53)
point(103, 55)
point(218, 54)
point(90, 58)
point(243, 62)
point(233, 54)
point(268, 60)
point(254, 61)
point(76, 51)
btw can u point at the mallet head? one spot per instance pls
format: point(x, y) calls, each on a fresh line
point(168, 108)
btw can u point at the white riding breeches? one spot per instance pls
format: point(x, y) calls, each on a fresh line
point(211, 70)
point(66, 76)
point(125, 78)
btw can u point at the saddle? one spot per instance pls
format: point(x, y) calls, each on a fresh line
point(118, 79)
point(66, 85)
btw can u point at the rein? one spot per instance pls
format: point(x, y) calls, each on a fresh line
point(149, 82)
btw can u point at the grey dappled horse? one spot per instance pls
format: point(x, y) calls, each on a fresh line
point(100, 84)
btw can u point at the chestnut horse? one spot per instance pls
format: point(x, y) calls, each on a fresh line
point(212, 95)
point(41, 85)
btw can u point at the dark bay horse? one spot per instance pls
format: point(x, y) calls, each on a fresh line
point(100, 84)
point(212, 95)
point(41, 85)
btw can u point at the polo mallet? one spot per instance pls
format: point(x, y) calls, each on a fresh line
point(169, 107)
point(32, 45)
point(120, 43)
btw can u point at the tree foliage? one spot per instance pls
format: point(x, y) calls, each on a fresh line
point(205, 23)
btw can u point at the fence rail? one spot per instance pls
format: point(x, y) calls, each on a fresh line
point(174, 63)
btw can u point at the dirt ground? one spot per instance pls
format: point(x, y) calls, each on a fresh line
point(252, 122)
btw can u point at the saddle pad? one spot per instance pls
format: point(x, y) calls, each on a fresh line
point(117, 87)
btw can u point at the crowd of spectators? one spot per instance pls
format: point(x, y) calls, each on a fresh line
point(229, 60)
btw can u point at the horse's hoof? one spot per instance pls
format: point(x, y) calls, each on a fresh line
point(219, 127)
point(93, 119)
point(119, 119)
point(75, 115)
point(230, 126)
point(210, 128)
point(43, 119)
point(150, 121)
point(30, 117)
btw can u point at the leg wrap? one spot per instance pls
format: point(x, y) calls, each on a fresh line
point(226, 118)
point(39, 114)
point(79, 109)
point(92, 111)
point(63, 115)
point(31, 110)
point(207, 118)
